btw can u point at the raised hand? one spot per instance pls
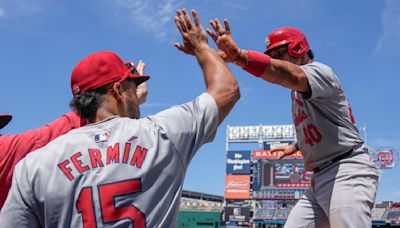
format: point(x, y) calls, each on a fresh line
point(194, 36)
point(140, 67)
point(141, 90)
point(287, 150)
point(228, 49)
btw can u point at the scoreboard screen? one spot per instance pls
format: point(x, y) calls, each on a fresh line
point(291, 175)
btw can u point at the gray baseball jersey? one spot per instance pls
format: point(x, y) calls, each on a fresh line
point(118, 173)
point(324, 122)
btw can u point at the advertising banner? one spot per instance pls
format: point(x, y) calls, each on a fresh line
point(237, 187)
point(237, 214)
point(238, 162)
point(266, 154)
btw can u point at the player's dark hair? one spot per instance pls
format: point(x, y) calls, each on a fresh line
point(87, 103)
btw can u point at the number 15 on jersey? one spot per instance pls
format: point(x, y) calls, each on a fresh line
point(107, 194)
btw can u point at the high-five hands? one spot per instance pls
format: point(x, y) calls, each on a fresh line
point(228, 49)
point(194, 36)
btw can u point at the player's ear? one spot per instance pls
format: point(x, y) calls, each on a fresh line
point(117, 91)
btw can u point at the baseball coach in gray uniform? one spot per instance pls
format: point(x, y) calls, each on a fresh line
point(121, 171)
point(345, 181)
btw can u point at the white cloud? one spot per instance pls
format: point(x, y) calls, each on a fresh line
point(20, 8)
point(236, 4)
point(150, 16)
point(2, 13)
point(388, 42)
point(152, 105)
point(377, 143)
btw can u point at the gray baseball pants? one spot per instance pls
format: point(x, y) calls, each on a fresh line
point(342, 196)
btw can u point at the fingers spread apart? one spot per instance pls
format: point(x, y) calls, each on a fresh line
point(184, 22)
point(219, 30)
point(191, 30)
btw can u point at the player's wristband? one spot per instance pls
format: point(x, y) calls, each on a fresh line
point(256, 63)
point(296, 146)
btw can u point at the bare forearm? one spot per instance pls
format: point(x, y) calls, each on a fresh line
point(220, 82)
point(241, 59)
point(278, 72)
point(286, 74)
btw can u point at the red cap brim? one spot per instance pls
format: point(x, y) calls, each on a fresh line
point(4, 119)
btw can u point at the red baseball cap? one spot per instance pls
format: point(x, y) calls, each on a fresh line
point(4, 119)
point(296, 40)
point(99, 69)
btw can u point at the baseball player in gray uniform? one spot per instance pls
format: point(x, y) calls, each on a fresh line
point(121, 171)
point(345, 181)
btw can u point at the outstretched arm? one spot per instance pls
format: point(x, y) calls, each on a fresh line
point(13, 148)
point(220, 82)
point(275, 71)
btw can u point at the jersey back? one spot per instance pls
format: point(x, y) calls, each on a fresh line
point(121, 172)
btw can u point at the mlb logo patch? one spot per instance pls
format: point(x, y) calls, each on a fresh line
point(101, 137)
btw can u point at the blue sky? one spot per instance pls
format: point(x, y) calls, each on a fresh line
point(41, 41)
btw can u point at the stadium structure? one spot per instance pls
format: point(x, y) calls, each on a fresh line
point(261, 189)
point(200, 210)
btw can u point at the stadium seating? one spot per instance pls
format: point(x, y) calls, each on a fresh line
point(378, 214)
point(394, 217)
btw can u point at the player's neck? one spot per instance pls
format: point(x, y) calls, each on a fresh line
point(104, 114)
point(104, 119)
point(109, 108)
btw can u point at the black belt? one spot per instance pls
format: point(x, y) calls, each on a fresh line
point(336, 159)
